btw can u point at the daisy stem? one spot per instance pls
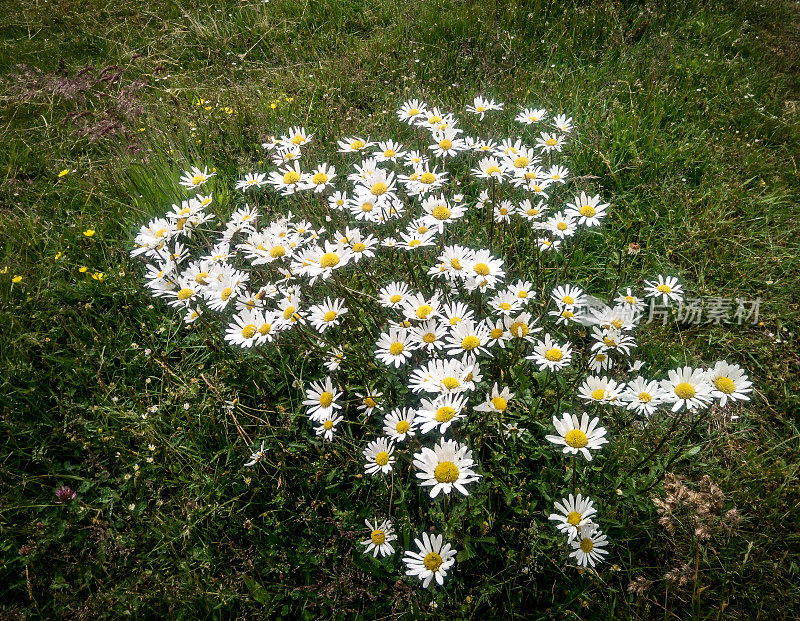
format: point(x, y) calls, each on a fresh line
point(574, 474)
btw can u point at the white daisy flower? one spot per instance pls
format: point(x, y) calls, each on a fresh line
point(550, 142)
point(523, 290)
point(412, 110)
point(521, 326)
point(321, 178)
point(393, 295)
point(441, 412)
point(481, 105)
point(587, 210)
point(496, 401)
point(195, 177)
point(448, 465)
point(321, 399)
point(369, 401)
point(447, 143)
point(643, 396)
point(531, 212)
point(445, 376)
point(288, 180)
point(611, 339)
point(562, 225)
point(547, 354)
point(467, 337)
point(589, 547)
point(600, 389)
point(328, 314)
point(432, 561)
point(531, 115)
point(630, 301)
point(729, 382)
point(429, 335)
point(389, 151)
point(578, 436)
point(251, 180)
point(489, 168)
point(666, 287)
point(353, 144)
point(419, 308)
point(326, 426)
point(563, 123)
point(380, 456)
point(256, 456)
point(600, 361)
point(394, 348)
point(243, 329)
point(380, 537)
point(687, 388)
point(574, 514)
point(399, 424)
point(557, 174)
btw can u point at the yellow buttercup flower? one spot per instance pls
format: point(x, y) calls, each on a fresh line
point(64, 173)
point(98, 276)
point(16, 279)
point(89, 233)
point(83, 269)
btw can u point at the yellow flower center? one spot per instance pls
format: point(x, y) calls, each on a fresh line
point(434, 119)
point(440, 212)
point(422, 229)
point(379, 188)
point(201, 278)
point(551, 142)
point(402, 426)
point(554, 354)
point(470, 342)
point(413, 112)
point(598, 394)
point(519, 329)
point(493, 170)
point(389, 153)
point(320, 178)
point(609, 341)
point(427, 178)
point(185, 294)
point(249, 331)
point(576, 438)
point(482, 269)
point(326, 399)
point(685, 390)
point(568, 300)
point(298, 139)
point(424, 310)
point(587, 545)
point(265, 329)
point(530, 176)
point(382, 458)
point(329, 316)
point(432, 561)
point(664, 288)
point(567, 314)
point(521, 162)
point(327, 425)
point(414, 243)
point(395, 298)
point(357, 144)
point(445, 144)
point(444, 414)
point(291, 177)
point(198, 179)
point(496, 333)
point(532, 212)
point(645, 397)
point(617, 323)
point(630, 299)
point(480, 108)
point(533, 119)
point(359, 247)
point(450, 383)
point(366, 207)
point(329, 259)
point(499, 403)
point(454, 320)
point(574, 518)
point(430, 337)
point(370, 402)
point(725, 384)
point(277, 252)
point(396, 348)
point(561, 226)
point(503, 211)
point(455, 263)
point(378, 536)
point(446, 472)
point(505, 306)
point(288, 312)
point(225, 293)
point(588, 211)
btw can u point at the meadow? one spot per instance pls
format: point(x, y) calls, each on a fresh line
point(687, 121)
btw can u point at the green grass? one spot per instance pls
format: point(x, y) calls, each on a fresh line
point(688, 123)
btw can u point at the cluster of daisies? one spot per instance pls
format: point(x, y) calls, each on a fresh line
point(371, 263)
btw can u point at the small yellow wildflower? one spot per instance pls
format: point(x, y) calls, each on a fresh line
point(273, 105)
point(83, 269)
point(64, 173)
point(58, 255)
point(16, 279)
point(89, 233)
point(98, 276)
